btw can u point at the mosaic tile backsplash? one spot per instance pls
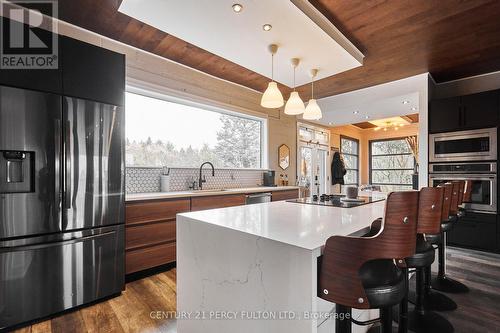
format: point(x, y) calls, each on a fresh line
point(146, 180)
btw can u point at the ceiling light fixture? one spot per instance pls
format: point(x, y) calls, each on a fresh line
point(355, 112)
point(406, 101)
point(312, 111)
point(414, 108)
point(367, 117)
point(267, 27)
point(237, 8)
point(272, 97)
point(390, 124)
point(294, 105)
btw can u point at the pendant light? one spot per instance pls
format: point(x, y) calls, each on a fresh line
point(294, 105)
point(312, 112)
point(272, 97)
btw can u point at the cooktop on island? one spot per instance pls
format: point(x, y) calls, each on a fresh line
point(336, 200)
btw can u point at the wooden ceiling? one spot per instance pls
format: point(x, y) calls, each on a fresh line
point(450, 39)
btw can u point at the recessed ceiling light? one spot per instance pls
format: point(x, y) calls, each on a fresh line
point(267, 27)
point(406, 101)
point(355, 112)
point(367, 117)
point(414, 109)
point(330, 123)
point(237, 8)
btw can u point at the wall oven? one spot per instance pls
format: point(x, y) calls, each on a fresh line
point(481, 183)
point(476, 145)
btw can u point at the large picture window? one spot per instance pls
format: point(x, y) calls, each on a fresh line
point(164, 132)
point(349, 148)
point(391, 164)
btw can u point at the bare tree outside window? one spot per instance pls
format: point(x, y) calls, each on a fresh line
point(349, 148)
point(163, 133)
point(392, 164)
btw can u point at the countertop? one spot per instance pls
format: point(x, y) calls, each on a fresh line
point(188, 194)
point(305, 226)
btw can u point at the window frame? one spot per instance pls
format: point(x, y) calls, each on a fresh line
point(398, 169)
point(349, 154)
point(203, 105)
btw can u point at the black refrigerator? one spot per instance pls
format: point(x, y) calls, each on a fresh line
point(61, 203)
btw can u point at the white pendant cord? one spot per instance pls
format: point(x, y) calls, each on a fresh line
point(294, 68)
point(272, 66)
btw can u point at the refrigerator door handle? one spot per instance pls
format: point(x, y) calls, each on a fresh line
point(67, 167)
point(56, 243)
point(57, 167)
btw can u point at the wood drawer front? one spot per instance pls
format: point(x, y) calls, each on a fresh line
point(149, 234)
point(149, 257)
point(285, 195)
point(153, 211)
point(217, 201)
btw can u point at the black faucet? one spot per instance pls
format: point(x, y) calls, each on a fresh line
point(202, 180)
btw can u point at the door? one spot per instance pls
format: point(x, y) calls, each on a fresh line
point(444, 115)
point(480, 110)
point(48, 80)
point(30, 145)
point(44, 277)
point(306, 169)
point(322, 169)
point(94, 164)
point(313, 169)
point(92, 72)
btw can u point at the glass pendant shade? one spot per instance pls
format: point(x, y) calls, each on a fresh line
point(272, 97)
point(294, 105)
point(312, 112)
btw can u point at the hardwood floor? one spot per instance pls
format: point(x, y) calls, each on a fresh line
point(130, 312)
point(478, 310)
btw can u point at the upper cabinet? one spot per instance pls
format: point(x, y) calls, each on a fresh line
point(465, 112)
point(93, 73)
point(46, 80)
point(83, 70)
point(444, 115)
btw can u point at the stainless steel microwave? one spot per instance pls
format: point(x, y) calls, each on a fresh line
point(475, 145)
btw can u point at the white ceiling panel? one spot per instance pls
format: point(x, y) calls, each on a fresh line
point(239, 37)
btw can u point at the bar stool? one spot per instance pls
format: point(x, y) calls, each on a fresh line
point(441, 282)
point(435, 301)
point(360, 272)
point(420, 319)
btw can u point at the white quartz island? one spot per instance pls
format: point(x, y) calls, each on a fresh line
point(254, 268)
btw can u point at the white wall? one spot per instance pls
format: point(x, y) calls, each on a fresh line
point(415, 84)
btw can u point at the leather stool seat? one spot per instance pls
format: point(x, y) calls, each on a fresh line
point(424, 255)
point(383, 282)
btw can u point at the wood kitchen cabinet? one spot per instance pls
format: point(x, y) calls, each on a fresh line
point(46, 80)
point(285, 195)
point(150, 232)
point(92, 72)
point(474, 111)
point(444, 115)
point(217, 201)
point(475, 230)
